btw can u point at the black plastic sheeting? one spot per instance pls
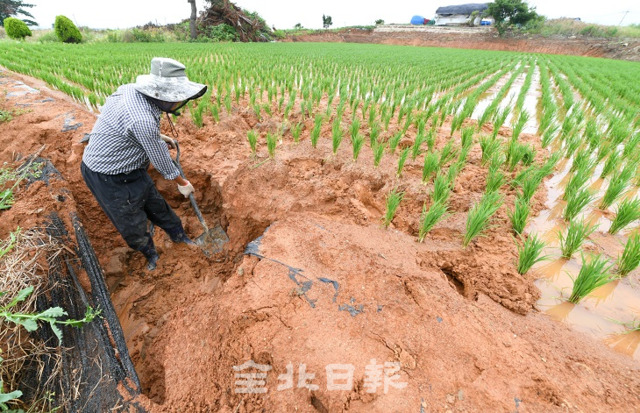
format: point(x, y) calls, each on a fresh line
point(465, 9)
point(94, 358)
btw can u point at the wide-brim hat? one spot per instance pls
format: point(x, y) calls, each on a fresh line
point(168, 82)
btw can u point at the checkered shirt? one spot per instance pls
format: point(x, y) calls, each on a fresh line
point(126, 137)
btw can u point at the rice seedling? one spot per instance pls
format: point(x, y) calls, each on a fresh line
point(514, 153)
point(252, 137)
point(431, 140)
point(617, 186)
point(499, 120)
point(441, 189)
point(576, 202)
point(495, 180)
point(594, 273)
point(336, 135)
point(431, 165)
point(447, 153)
point(354, 128)
point(374, 133)
point(519, 215)
point(467, 137)
point(549, 135)
point(628, 211)
point(436, 213)
point(480, 215)
point(271, 144)
point(582, 161)
point(315, 132)
point(393, 201)
point(528, 155)
point(520, 124)
point(577, 181)
point(415, 148)
point(630, 257)
point(575, 235)
point(401, 161)
point(530, 253)
point(356, 144)
point(378, 153)
point(296, 131)
point(394, 141)
point(612, 163)
point(489, 146)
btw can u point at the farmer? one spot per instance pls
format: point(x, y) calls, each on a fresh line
point(124, 139)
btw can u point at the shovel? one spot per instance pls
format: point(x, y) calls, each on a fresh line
point(211, 241)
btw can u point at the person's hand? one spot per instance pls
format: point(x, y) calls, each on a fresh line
point(187, 189)
point(169, 141)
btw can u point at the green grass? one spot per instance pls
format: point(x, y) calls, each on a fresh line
point(436, 213)
point(393, 202)
point(529, 253)
point(628, 211)
point(630, 257)
point(594, 273)
point(575, 235)
point(480, 215)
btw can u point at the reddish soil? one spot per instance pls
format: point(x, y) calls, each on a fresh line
point(470, 38)
point(461, 323)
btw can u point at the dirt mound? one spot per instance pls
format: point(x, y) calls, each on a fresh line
point(324, 286)
point(480, 38)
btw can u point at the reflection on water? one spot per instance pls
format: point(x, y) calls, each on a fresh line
point(602, 293)
point(625, 343)
point(552, 269)
point(561, 311)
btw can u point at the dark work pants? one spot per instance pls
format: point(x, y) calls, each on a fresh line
point(129, 200)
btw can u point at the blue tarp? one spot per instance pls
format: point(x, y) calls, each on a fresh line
point(417, 20)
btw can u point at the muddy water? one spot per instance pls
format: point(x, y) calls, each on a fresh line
point(604, 313)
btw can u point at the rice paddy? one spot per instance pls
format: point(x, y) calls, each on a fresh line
point(394, 102)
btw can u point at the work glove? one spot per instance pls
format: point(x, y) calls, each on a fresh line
point(186, 190)
point(169, 141)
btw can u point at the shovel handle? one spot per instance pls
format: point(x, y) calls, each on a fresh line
point(191, 197)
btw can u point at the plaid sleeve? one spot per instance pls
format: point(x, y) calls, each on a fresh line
point(148, 134)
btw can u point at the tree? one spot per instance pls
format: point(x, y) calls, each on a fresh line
point(507, 13)
point(379, 22)
point(192, 19)
point(66, 31)
point(16, 28)
point(298, 26)
point(326, 21)
point(10, 8)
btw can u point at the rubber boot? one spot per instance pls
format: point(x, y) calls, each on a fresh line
point(178, 235)
point(150, 253)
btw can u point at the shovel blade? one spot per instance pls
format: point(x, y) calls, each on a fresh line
point(213, 241)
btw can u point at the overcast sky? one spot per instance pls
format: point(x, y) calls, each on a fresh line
point(284, 14)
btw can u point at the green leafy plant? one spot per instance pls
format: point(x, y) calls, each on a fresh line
point(630, 257)
point(30, 320)
point(577, 232)
point(628, 211)
point(436, 213)
point(393, 201)
point(530, 253)
point(480, 216)
point(594, 273)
